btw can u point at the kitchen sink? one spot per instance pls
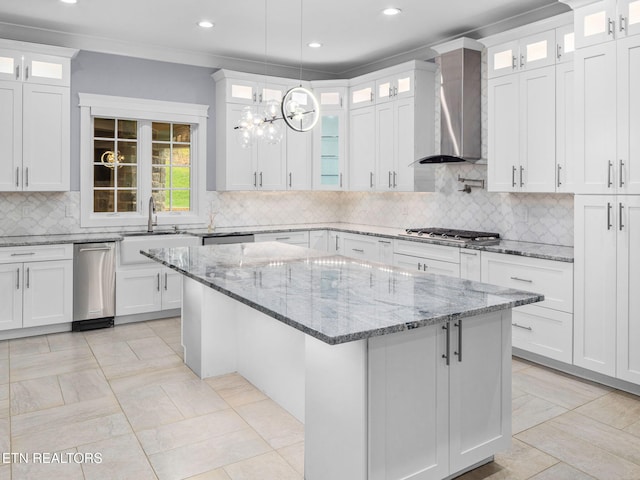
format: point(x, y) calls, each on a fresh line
point(131, 245)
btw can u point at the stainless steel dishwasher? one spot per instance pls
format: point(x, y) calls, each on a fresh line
point(94, 285)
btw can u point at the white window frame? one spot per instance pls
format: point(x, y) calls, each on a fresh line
point(145, 111)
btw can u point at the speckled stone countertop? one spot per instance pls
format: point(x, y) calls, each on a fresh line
point(32, 240)
point(333, 298)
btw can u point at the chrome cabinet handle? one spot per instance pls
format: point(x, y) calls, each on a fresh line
point(255, 97)
point(260, 179)
point(424, 267)
point(419, 266)
point(166, 280)
point(340, 180)
point(620, 213)
point(558, 51)
point(623, 21)
point(158, 285)
point(448, 347)
point(389, 179)
point(473, 254)
point(371, 179)
point(521, 61)
point(279, 239)
point(359, 250)
point(290, 175)
point(521, 177)
point(390, 91)
point(25, 254)
point(621, 176)
point(17, 176)
point(372, 96)
point(384, 241)
point(26, 73)
point(337, 247)
point(95, 249)
point(523, 327)
point(28, 279)
point(612, 27)
point(514, 63)
point(255, 179)
point(395, 91)
point(260, 101)
point(513, 176)
point(17, 72)
point(26, 177)
point(394, 180)
point(609, 216)
point(18, 278)
point(459, 352)
point(609, 167)
point(521, 279)
point(559, 168)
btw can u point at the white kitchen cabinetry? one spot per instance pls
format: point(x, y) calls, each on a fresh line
point(34, 117)
point(37, 286)
point(565, 127)
point(362, 148)
point(431, 258)
point(533, 51)
point(300, 238)
point(362, 93)
point(470, 267)
point(448, 427)
point(330, 137)
point(363, 247)
point(319, 240)
point(385, 251)
point(604, 21)
point(607, 309)
point(335, 243)
point(547, 327)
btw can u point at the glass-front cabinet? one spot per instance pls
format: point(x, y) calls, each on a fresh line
point(329, 139)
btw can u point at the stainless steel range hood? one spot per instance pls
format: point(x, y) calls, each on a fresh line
point(460, 97)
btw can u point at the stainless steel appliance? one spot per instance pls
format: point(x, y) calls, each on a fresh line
point(458, 237)
point(223, 238)
point(94, 285)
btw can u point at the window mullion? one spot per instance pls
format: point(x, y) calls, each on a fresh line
point(144, 166)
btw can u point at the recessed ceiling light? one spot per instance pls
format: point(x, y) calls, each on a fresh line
point(314, 44)
point(69, 1)
point(205, 24)
point(391, 11)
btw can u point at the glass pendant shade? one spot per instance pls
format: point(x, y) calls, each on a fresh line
point(300, 109)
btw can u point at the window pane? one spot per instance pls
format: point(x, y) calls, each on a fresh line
point(104, 127)
point(127, 129)
point(180, 177)
point(180, 200)
point(102, 176)
point(181, 133)
point(159, 177)
point(103, 201)
point(181, 155)
point(161, 132)
point(161, 154)
point(128, 152)
point(127, 200)
point(162, 199)
point(103, 151)
point(127, 177)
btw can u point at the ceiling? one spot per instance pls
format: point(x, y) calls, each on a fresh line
point(356, 36)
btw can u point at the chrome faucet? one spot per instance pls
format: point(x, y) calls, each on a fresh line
point(152, 210)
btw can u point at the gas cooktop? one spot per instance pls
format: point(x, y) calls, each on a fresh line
point(460, 237)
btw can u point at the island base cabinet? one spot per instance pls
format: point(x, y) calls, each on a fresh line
point(47, 298)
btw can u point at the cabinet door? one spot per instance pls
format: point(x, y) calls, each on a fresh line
point(46, 69)
point(503, 132)
point(241, 91)
point(10, 136)
point(629, 17)
point(299, 154)
point(11, 296)
point(46, 138)
point(138, 291)
point(48, 293)
point(405, 149)
point(362, 153)
point(595, 73)
point(628, 286)
point(565, 127)
point(470, 264)
point(479, 388)
point(595, 23)
point(171, 289)
point(271, 165)
point(385, 252)
point(537, 170)
point(329, 151)
point(362, 95)
point(538, 50)
point(408, 413)
point(240, 162)
point(595, 283)
point(543, 331)
point(335, 243)
point(628, 161)
point(362, 247)
point(503, 59)
point(385, 140)
point(10, 65)
point(319, 240)
point(427, 265)
point(565, 44)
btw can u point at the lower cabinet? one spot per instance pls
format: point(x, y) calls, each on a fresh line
point(300, 238)
point(37, 292)
point(319, 240)
point(147, 290)
point(470, 265)
point(363, 247)
point(457, 414)
point(430, 258)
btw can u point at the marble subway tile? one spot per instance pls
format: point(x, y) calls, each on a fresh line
point(84, 385)
point(235, 390)
point(26, 367)
point(192, 430)
point(269, 466)
point(579, 453)
point(149, 407)
point(618, 409)
point(294, 454)
point(36, 394)
point(528, 411)
point(272, 422)
point(122, 458)
point(210, 454)
point(150, 347)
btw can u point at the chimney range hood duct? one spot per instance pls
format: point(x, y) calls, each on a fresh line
point(460, 108)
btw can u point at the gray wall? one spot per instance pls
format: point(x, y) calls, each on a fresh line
point(132, 77)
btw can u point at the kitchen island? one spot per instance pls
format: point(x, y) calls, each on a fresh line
point(395, 374)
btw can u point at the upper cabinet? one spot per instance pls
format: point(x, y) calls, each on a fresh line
point(605, 20)
point(530, 108)
point(393, 87)
point(34, 117)
point(362, 94)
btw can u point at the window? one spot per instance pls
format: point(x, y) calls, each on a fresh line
point(133, 150)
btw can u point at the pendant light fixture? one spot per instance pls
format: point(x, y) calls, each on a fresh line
point(298, 108)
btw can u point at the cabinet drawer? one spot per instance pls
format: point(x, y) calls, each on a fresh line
point(543, 331)
point(552, 279)
point(427, 250)
point(36, 253)
point(360, 246)
point(293, 238)
point(426, 265)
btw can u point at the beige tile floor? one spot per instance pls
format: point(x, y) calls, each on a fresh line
point(124, 393)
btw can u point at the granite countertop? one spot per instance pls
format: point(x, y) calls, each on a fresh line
point(333, 298)
point(32, 240)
